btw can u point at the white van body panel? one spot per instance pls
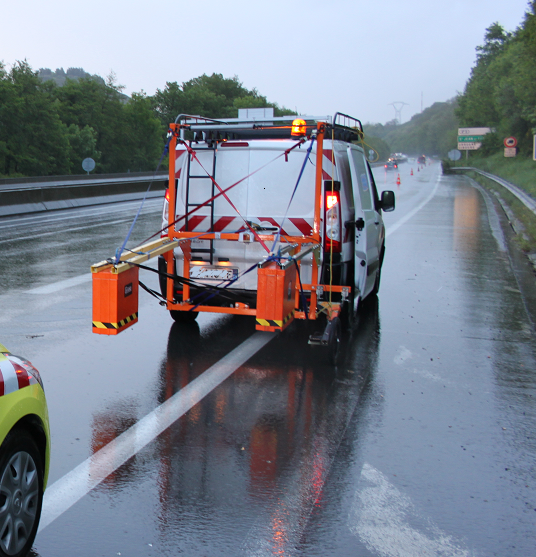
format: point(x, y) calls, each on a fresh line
point(266, 179)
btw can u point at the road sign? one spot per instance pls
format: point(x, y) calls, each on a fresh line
point(454, 155)
point(534, 148)
point(510, 151)
point(510, 141)
point(88, 165)
point(468, 146)
point(473, 131)
point(470, 138)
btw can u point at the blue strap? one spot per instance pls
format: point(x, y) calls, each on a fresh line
point(293, 193)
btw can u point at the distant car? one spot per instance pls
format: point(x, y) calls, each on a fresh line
point(24, 453)
point(421, 159)
point(391, 165)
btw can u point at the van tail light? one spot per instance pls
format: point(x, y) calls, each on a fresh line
point(333, 222)
point(165, 214)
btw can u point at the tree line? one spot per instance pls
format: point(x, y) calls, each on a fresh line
point(431, 132)
point(48, 129)
point(501, 90)
point(51, 121)
point(500, 94)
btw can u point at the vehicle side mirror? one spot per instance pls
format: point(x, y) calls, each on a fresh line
point(388, 201)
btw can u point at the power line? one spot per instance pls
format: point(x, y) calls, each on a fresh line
point(398, 106)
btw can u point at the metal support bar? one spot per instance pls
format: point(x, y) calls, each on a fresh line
point(137, 255)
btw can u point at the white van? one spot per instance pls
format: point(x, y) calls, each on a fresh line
point(283, 183)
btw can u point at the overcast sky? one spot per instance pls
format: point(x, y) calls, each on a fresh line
point(317, 56)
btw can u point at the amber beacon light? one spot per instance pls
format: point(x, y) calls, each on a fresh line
point(298, 127)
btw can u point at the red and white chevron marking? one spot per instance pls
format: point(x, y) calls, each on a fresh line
point(291, 227)
point(179, 161)
point(328, 165)
point(13, 375)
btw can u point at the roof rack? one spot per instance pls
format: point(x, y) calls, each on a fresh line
point(341, 127)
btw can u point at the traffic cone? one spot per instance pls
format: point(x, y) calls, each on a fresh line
point(411, 173)
point(418, 169)
point(398, 180)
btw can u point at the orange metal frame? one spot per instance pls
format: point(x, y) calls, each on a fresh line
point(331, 309)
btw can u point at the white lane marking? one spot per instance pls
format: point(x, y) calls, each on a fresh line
point(76, 213)
point(414, 211)
point(73, 229)
point(60, 285)
point(74, 281)
point(425, 374)
point(77, 483)
point(384, 518)
point(402, 355)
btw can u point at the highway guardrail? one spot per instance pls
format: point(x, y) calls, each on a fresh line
point(29, 195)
point(522, 195)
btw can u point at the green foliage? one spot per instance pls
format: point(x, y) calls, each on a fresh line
point(520, 171)
point(51, 121)
point(379, 145)
point(33, 139)
point(212, 96)
point(143, 132)
point(60, 76)
point(432, 132)
point(46, 129)
point(501, 91)
point(86, 102)
point(83, 144)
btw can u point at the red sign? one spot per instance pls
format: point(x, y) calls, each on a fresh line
point(510, 142)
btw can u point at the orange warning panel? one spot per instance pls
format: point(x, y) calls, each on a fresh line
point(115, 300)
point(275, 297)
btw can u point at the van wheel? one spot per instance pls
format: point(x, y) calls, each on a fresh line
point(376, 287)
point(334, 341)
point(21, 493)
point(183, 316)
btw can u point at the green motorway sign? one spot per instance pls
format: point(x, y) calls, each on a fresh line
point(470, 138)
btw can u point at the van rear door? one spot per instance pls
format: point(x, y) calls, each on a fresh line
point(265, 179)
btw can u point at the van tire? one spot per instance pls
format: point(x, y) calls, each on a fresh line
point(183, 316)
point(334, 341)
point(376, 287)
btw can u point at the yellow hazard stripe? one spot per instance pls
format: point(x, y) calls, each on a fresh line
point(269, 323)
point(122, 323)
point(275, 323)
point(289, 316)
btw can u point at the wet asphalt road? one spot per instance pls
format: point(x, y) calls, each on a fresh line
point(421, 443)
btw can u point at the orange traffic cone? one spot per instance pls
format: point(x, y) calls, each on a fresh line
point(398, 180)
point(411, 173)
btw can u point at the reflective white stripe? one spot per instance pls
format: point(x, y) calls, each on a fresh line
point(11, 383)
